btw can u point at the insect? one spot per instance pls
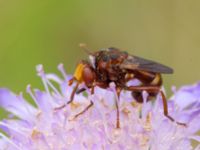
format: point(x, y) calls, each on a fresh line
point(113, 65)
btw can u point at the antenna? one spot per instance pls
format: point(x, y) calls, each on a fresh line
point(85, 48)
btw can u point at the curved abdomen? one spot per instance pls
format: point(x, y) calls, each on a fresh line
point(147, 79)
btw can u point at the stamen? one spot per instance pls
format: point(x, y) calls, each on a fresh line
point(173, 88)
point(53, 88)
point(54, 78)
point(9, 141)
point(45, 80)
point(112, 86)
point(40, 72)
point(62, 70)
point(29, 91)
point(144, 96)
point(116, 135)
point(20, 96)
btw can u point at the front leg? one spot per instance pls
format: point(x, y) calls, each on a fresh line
point(73, 93)
point(71, 96)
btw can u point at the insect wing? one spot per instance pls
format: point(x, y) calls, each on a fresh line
point(137, 63)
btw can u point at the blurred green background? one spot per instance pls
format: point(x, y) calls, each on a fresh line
point(48, 32)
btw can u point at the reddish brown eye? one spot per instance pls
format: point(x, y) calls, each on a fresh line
point(88, 75)
point(102, 65)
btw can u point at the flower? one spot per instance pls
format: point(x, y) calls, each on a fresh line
point(143, 126)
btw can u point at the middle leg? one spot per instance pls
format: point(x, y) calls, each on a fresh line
point(88, 107)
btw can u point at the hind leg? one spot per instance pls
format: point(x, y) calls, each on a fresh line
point(118, 90)
point(154, 89)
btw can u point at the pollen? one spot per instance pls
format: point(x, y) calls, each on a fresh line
point(74, 105)
point(126, 111)
point(147, 125)
point(39, 113)
point(135, 104)
point(35, 134)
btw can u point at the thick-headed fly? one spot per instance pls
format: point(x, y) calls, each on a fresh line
point(113, 65)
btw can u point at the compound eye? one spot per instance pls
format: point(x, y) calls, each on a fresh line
point(114, 56)
point(105, 58)
point(88, 75)
point(112, 48)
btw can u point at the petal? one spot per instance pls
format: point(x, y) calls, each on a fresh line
point(17, 105)
point(3, 143)
point(198, 147)
point(194, 125)
point(44, 101)
point(187, 95)
point(197, 138)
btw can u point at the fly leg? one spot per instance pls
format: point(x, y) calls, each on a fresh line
point(73, 93)
point(71, 96)
point(155, 89)
point(84, 110)
point(118, 90)
point(88, 107)
point(80, 90)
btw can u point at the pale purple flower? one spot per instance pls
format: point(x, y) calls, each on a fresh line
point(143, 126)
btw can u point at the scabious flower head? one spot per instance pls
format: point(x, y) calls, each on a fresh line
point(143, 126)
